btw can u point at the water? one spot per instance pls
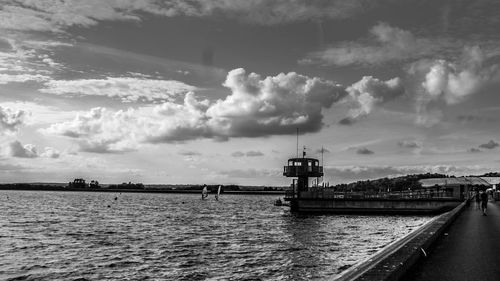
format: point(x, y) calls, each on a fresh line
point(76, 236)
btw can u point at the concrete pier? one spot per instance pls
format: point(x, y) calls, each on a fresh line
point(469, 251)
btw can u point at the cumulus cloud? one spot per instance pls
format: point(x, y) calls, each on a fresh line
point(440, 82)
point(10, 120)
point(57, 15)
point(273, 105)
point(21, 78)
point(365, 94)
point(489, 145)
point(16, 149)
point(50, 152)
point(256, 107)
point(128, 89)
point(364, 151)
point(388, 44)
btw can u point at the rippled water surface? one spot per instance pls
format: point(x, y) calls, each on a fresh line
point(92, 236)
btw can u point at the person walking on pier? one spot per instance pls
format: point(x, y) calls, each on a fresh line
point(478, 200)
point(484, 202)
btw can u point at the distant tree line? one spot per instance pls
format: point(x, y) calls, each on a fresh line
point(388, 184)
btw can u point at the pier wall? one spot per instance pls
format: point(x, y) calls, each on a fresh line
point(396, 259)
point(370, 206)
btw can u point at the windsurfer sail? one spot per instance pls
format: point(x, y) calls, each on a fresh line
point(218, 193)
point(204, 192)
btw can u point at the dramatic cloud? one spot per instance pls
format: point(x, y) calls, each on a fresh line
point(273, 105)
point(409, 144)
point(10, 120)
point(16, 149)
point(56, 15)
point(441, 82)
point(489, 145)
point(128, 89)
point(365, 94)
point(256, 107)
point(22, 151)
point(364, 151)
point(389, 44)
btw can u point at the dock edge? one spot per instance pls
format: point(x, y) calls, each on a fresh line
point(394, 261)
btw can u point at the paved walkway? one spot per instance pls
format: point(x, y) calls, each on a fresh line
point(470, 251)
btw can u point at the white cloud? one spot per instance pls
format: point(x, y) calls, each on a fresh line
point(56, 15)
point(51, 152)
point(440, 82)
point(21, 78)
point(390, 44)
point(273, 105)
point(16, 149)
point(128, 89)
point(35, 114)
point(256, 107)
point(10, 120)
point(365, 94)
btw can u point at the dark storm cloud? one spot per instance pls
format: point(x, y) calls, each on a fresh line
point(347, 121)
point(364, 151)
point(5, 45)
point(489, 145)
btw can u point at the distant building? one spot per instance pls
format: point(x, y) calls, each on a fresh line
point(460, 187)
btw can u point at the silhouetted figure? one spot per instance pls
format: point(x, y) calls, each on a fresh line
point(204, 192)
point(478, 200)
point(116, 198)
point(484, 202)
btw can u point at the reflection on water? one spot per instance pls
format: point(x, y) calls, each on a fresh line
point(92, 236)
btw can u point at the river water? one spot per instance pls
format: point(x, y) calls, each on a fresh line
point(91, 236)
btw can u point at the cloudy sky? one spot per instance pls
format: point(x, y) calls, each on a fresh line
point(212, 91)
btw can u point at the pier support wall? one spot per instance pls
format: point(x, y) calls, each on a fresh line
point(396, 259)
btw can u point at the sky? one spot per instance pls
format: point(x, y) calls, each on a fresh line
point(213, 91)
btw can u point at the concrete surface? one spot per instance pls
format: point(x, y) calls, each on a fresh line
point(469, 251)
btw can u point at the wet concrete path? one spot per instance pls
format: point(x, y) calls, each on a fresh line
point(470, 251)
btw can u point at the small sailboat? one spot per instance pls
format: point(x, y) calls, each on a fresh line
point(204, 193)
point(218, 193)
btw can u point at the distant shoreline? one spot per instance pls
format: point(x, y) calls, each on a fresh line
point(70, 189)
